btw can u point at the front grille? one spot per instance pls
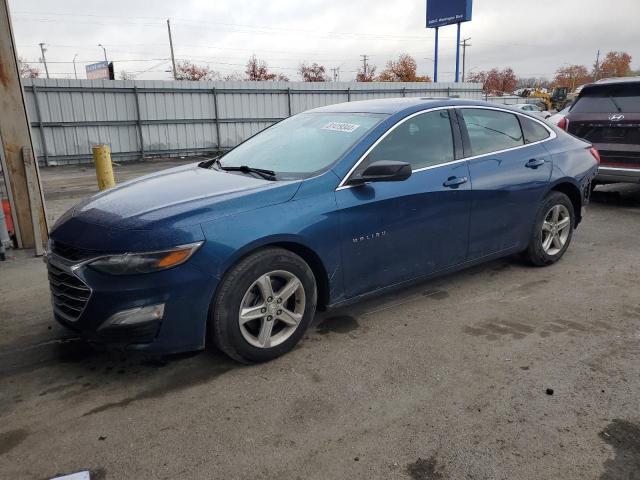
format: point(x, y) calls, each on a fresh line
point(70, 253)
point(69, 294)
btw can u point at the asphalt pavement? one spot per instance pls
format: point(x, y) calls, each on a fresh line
point(503, 371)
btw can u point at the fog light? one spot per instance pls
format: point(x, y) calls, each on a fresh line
point(136, 315)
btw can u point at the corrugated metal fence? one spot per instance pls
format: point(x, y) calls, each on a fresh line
point(147, 118)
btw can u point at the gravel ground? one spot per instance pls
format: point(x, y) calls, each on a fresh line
point(503, 371)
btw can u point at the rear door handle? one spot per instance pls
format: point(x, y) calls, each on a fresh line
point(455, 182)
point(534, 163)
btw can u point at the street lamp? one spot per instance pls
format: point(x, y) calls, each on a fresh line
point(105, 51)
point(75, 73)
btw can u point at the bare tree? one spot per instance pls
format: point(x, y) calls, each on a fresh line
point(366, 76)
point(234, 76)
point(124, 75)
point(26, 70)
point(402, 70)
point(313, 73)
point(572, 76)
point(496, 82)
point(258, 71)
point(190, 71)
point(616, 64)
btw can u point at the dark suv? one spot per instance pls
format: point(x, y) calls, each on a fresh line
point(607, 114)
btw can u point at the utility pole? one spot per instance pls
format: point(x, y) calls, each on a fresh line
point(364, 64)
point(173, 58)
point(75, 73)
point(336, 74)
point(464, 46)
point(597, 67)
point(44, 59)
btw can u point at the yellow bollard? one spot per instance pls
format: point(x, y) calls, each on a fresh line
point(104, 168)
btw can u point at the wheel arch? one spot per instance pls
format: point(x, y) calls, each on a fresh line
point(294, 245)
point(573, 192)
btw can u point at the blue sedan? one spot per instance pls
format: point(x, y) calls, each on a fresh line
point(320, 210)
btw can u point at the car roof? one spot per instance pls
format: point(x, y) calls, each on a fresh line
point(397, 105)
point(610, 83)
point(617, 80)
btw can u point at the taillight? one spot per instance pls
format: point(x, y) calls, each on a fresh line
point(563, 123)
point(595, 154)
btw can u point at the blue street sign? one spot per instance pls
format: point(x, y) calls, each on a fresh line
point(448, 12)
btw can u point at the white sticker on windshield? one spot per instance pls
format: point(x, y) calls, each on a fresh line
point(340, 127)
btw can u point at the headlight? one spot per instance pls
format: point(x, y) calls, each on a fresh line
point(136, 263)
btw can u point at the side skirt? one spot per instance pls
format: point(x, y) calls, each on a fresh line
point(422, 278)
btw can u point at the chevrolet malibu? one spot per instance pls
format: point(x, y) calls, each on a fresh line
point(322, 209)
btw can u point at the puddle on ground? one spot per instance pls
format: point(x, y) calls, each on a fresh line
point(188, 374)
point(495, 329)
point(11, 439)
point(424, 469)
point(624, 437)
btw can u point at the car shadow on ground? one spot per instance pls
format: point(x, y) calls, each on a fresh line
point(621, 195)
point(66, 368)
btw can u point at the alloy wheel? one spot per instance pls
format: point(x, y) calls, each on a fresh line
point(556, 228)
point(272, 309)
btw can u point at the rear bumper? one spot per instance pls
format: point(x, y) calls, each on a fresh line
point(608, 174)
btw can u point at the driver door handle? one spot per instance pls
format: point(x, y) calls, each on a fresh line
point(534, 163)
point(455, 182)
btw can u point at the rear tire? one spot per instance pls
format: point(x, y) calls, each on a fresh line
point(552, 231)
point(263, 306)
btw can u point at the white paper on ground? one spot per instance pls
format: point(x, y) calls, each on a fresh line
point(75, 476)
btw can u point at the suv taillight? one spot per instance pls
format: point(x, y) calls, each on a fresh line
point(595, 154)
point(563, 123)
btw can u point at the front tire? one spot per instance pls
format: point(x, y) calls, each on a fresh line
point(552, 231)
point(263, 306)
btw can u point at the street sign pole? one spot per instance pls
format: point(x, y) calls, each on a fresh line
point(458, 55)
point(441, 13)
point(435, 60)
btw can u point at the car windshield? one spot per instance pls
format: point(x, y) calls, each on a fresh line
point(302, 145)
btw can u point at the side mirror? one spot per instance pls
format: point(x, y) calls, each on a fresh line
point(384, 171)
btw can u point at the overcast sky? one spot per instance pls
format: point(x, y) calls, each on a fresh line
point(532, 37)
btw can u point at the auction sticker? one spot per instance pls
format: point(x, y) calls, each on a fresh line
point(340, 127)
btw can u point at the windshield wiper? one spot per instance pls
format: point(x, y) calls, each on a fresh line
point(266, 174)
point(615, 103)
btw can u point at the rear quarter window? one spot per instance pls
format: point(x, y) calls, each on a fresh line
point(533, 131)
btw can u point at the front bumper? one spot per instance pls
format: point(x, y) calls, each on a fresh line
point(607, 174)
point(85, 300)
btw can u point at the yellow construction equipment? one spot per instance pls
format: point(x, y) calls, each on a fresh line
point(104, 167)
point(557, 100)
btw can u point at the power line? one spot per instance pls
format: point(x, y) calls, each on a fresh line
point(252, 28)
point(95, 61)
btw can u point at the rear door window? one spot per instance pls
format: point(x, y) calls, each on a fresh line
point(533, 131)
point(491, 130)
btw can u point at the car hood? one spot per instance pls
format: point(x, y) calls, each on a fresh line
point(180, 197)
